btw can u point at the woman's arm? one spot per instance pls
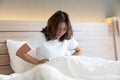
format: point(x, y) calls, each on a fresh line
point(22, 53)
point(77, 51)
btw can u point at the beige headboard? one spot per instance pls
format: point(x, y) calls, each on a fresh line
point(96, 39)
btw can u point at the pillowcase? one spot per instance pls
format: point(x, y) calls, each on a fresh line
point(17, 64)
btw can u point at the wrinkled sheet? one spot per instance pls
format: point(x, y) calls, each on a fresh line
point(71, 68)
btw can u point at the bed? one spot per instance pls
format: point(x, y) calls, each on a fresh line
point(96, 39)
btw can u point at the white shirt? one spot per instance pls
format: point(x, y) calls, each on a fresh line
point(51, 49)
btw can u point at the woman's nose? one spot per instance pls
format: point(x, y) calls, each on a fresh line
point(61, 31)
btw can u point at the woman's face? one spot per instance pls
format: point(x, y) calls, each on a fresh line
point(62, 29)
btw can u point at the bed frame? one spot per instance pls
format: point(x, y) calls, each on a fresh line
point(19, 30)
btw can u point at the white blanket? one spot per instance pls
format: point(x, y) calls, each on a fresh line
point(71, 68)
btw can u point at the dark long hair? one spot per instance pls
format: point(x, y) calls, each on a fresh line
point(52, 27)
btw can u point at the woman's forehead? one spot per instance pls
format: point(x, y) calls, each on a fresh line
point(63, 24)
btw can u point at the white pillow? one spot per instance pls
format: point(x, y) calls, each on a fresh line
point(17, 64)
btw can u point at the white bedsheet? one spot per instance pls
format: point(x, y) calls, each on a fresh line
point(71, 68)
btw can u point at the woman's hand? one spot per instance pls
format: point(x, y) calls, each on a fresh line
point(77, 51)
point(43, 61)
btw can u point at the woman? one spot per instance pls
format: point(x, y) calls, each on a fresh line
point(53, 41)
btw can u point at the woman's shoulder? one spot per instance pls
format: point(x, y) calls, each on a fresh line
point(68, 40)
point(71, 38)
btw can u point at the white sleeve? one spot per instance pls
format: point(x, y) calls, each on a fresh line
point(72, 43)
point(34, 42)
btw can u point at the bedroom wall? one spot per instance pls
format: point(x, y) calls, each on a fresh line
point(117, 8)
point(41, 10)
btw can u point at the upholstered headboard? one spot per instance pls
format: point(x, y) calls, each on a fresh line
point(95, 39)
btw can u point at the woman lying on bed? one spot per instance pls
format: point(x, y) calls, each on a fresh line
point(53, 41)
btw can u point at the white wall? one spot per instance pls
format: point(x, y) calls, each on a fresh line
point(41, 10)
point(117, 8)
